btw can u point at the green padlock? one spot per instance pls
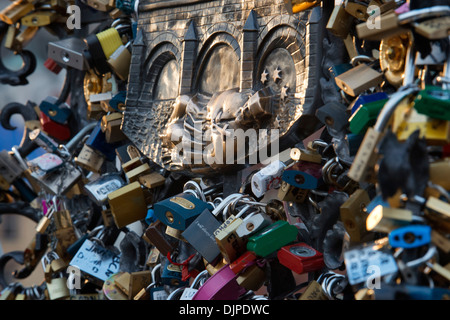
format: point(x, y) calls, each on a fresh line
point(366, 116)
point(272, 238)
point(434, 102)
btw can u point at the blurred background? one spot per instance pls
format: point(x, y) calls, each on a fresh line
point(16, 232)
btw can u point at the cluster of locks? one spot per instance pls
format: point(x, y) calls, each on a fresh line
point(360, 210)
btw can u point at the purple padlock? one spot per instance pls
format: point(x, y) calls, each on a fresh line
point(221, 286)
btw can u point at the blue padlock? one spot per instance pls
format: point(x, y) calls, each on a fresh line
point(304, 175)
point(180, 211)
point(363, 99)
point(58, 112)
point(151, 217)
point(118, 100)
point(98, 142)
point(411, 236)
point(172, 275)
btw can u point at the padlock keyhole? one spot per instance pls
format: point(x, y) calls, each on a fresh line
point(169, 217)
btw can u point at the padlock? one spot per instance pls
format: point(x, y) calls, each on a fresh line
point(155, 236)
point(412, 236)
point(99, 189)
point(10, 41)
point(128, 204)
point(300, 258)
point(57, 289)
point(100, 47)
point(55, 130)
point(55, 110)
point(122, 282)
point(111, 127)
point(39, 18)
point(339, 22)
point(407, 120)
point(96, 260)
point(252, 224)
point(132, 164)
point(334, 115)
point(385, 219)
point(296, 6)
point(117, 102)
point(440, 241)
point(368, 98)
point(133, 175)
point(354, 214)
point(360, 261)
point(309, 154)
point(15, 11)
point(200, 235)
point(244, 261)
point(59, 181)
point(97, 141)
point(221, 286)
point(393, 53)
point(358, 79)
point(171, 275)
point(110, 289)
point(272, 238)
point(304, 175)
point(389, 26)
point(357, 10)
point(120, 61)
point(267, 178)
point(101, 5)
point(437, 209)
point(434, 29)
point(434, 102)
point(366, 116)
point(230, 244)
point(90, 159)
point(10, 169)
point(69, 52)
point(291, 193)
point(46, 162)
point(152, 180)
point(314, 291)
point(44, 141)
point(252, 278)
point(180, 211)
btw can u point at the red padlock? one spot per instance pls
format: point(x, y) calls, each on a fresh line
point(300, 258)
point(54, 129)
point(243, 261)
point(51, 65)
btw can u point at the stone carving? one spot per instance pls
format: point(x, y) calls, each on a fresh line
point(201, 69)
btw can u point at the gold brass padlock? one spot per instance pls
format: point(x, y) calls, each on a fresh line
point(230, 244)
point(434, 29)
point(152, 180)
point(101, 5)
point(340, 22)
point(388, 27)
point(291, 194)
point(132, 164)
point(252, 278)
point(90, 159)
point(353, 215)
point(358, 79)
point(111, 127)
point(314, 291)
point(133, 175)
point(120, 61)
point(39, 18)
point(385, 219)
point(138, 281)
point(357, 10)
point(24, 37)
point(15, 11)
point(10, 38)
point(440, 241)
point(57, 289)
point(393, 52)
point(128, 204)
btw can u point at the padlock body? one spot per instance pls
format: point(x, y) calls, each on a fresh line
point(300, 258)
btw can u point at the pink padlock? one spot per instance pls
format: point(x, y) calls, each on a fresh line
point(221, 286)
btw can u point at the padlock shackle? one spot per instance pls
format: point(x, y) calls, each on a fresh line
point(71, 145)
point(423, 13)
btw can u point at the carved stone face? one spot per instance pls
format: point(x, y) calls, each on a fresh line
point(200, 75)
